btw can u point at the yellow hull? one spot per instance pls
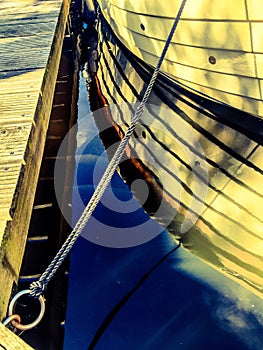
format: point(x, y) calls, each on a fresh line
point(228, 231)
point(217, 48)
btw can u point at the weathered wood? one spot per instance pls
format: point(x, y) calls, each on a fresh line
point(10, 341)
point(31, 37)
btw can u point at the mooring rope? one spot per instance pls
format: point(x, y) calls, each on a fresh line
point(37, 288)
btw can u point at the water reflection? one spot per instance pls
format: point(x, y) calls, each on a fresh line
point(228, 232)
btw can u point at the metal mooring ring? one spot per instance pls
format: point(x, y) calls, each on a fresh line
point(25, 327)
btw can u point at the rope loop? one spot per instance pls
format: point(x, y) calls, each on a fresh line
point(37, 288)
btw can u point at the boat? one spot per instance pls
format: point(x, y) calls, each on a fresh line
point(225, 230)
point(216, 49)
point(160, 292)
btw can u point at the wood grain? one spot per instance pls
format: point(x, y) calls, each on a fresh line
point(31, 37)
point(10, 341)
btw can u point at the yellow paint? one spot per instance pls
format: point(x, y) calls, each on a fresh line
point(206, 28)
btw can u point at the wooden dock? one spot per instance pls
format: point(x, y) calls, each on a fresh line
point(31, 37)
point(10, 341)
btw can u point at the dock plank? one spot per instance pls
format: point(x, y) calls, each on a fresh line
point(31, 37)
point(26, 30)
point(10, 341)
point(19, 81)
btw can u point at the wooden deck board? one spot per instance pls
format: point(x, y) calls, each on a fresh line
point(31, 36)
point(19, 105)
point(29, 7)
point(21, 81)
point(10, 341)
point(25, 61)
point(26, 31)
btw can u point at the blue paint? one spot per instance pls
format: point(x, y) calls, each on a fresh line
point(184, 304)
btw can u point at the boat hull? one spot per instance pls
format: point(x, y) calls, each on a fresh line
point(217, 48)
point(228, 231)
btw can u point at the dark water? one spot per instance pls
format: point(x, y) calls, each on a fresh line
point(152, 295)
